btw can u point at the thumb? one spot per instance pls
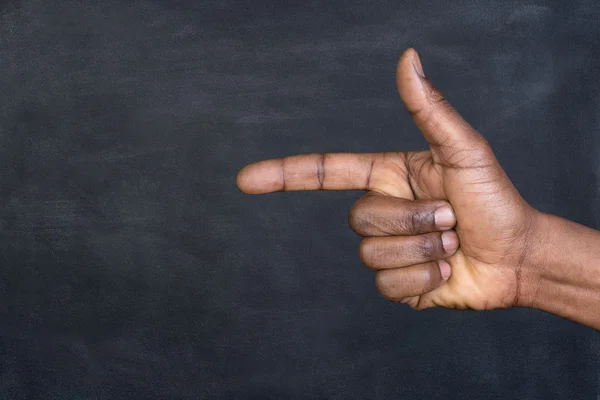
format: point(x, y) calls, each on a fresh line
point(453, 142)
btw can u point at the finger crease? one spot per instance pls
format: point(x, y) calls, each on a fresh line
point(368, 183)
point(321, 171)
point(283, 188)
point(409, 174)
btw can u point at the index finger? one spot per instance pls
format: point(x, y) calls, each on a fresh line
point(323, 171)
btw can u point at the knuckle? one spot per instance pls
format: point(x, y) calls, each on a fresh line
point(434, 96)
point(356, 217)
point(484, 144)
point(418, 221)
point(482, 154)
point(360, 217)
point(365, 253)
point(426, 247)
point(385, 285)
point(480, 151)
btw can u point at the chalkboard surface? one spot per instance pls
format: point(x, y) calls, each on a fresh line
point(133, 268)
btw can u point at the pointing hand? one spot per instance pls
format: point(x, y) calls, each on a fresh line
point(415, 199)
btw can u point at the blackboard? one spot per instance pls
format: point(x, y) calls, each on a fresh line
point(133, 268)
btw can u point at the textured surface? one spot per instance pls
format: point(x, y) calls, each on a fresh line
point(131, 267)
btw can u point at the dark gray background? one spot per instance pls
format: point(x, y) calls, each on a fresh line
point(132, 267)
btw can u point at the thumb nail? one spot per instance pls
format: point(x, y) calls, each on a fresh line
point(418, 66)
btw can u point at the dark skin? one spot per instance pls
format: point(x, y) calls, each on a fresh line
point(446, 227)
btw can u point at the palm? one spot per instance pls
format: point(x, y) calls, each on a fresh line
point(491, 218)
point(486, 265)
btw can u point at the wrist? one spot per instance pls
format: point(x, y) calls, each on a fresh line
point(539, 242)
point(560, 273)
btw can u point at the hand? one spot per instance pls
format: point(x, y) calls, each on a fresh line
point(410, 246)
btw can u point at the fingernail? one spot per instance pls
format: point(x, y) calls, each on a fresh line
point(444, 217)
point(445, 269)
point(417, 65)
point(449, 242)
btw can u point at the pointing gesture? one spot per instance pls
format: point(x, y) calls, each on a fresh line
point(443, 227)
